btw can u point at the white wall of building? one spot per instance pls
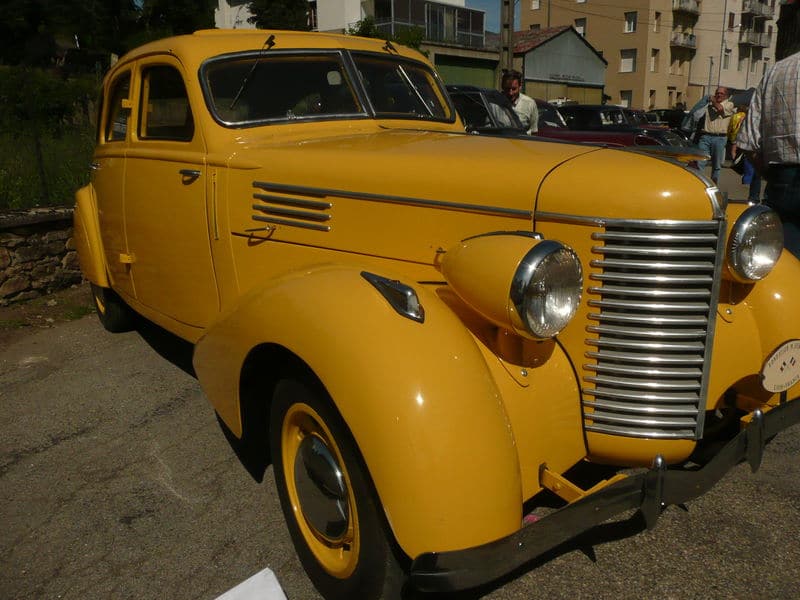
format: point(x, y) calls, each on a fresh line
point(232, 17)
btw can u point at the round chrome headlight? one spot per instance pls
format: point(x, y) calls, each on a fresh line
point(755, 244)
point(546, 289)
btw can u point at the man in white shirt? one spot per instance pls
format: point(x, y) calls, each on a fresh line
point(524, 106)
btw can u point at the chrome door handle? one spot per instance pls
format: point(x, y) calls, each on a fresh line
point(94, 166)
point(190, 174)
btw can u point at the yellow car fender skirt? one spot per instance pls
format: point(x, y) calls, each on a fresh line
point(86, 235)
point(417, 396)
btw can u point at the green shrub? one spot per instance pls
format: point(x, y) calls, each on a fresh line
point(46, 137)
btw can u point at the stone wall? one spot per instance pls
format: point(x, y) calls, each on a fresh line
point(37, 253)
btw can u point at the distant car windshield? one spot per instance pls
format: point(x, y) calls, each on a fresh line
point(485, 110)
point(251, 89)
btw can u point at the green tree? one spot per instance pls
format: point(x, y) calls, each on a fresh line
point(39, 105)
point(279, 14)
point(162, 18)
point(407, 36)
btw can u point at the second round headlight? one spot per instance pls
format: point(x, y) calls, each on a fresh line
point(755, 244)
point(546, 289)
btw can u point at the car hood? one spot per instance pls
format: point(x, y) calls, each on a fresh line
point(433, 166)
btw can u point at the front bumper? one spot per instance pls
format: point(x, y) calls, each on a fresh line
point(648, 492)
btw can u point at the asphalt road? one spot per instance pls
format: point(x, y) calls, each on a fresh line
point(117, 482)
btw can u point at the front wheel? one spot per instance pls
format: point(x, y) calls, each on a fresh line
point(331, 509)
point(114, 314)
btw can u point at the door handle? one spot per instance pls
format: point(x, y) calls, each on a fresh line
point(189, 175)
point(94, 166)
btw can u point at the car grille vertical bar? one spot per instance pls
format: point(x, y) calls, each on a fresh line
point(652, 305)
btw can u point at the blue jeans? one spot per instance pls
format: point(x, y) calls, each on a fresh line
point(753, 179)
point(715, 146)
point(783, 195)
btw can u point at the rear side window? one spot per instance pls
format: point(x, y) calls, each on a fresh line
point(165, 113)
point(119, 109)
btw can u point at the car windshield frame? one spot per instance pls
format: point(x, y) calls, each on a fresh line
point(240, 88)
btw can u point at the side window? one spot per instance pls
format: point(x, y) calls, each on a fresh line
point(119, 109)
point(164, 108)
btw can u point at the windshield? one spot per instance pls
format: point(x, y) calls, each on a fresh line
point(278, 87)
point(402, 89)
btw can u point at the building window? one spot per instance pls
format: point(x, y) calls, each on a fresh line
point(580, 26)
point(731, 21)
point(627, 62)
point(630, 22)
point(742, 60)
point(755, 58)
point(580, 1)
point(652, 102)
point(726, 59)
point(535, 5)
point(656, 22)
point(654, 52)
point(626, 97)
point(535, 27)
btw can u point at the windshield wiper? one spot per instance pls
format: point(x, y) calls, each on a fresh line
point(269, 43)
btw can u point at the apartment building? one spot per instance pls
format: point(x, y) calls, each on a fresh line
point(662, 53)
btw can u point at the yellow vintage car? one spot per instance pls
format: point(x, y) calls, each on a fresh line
point(425, 331)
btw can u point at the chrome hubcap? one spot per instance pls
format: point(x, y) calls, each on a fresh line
point(321, 489)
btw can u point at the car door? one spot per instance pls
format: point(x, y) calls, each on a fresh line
point(165, 209)
point(108, 178)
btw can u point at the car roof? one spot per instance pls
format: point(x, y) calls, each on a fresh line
point(194, 48)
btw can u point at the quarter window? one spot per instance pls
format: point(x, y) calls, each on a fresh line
point(119, 109)
point(165, 113)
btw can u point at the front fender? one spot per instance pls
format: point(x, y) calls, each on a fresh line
point(86, 234)
point(418, 398)
point(752, 321)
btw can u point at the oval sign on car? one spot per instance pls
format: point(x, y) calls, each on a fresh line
point(782, 369)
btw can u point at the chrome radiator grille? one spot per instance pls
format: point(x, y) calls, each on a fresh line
point(650, 328)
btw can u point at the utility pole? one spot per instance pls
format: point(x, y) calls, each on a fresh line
point(710, 70)
point(506, 34)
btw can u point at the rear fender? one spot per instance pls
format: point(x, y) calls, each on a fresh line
point(417, 397)
point(86, 234)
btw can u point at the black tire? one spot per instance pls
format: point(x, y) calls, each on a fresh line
point(114, 314)
point(354, 557)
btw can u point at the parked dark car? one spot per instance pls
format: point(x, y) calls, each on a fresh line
point(672, 117)
point(627, 127)
point(485, 110)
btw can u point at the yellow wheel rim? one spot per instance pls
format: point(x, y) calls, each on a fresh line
point(99, 302)
point(337, 553)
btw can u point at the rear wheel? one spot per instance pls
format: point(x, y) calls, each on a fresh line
point(114, 314)
point(331, 509)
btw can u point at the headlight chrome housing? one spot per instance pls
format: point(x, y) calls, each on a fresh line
point(517, 280)
point(546, 289)
point(755, 244)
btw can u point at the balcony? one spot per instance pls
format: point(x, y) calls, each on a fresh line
point(759, 39)
point(683, 40)
point(759, 10)
point(687, 6)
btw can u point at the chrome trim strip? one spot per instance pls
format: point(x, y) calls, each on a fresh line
point(294, 201)
point(288, 212)
point(629, 277)
point(300, 224)
point(652, 294)
point(442, 204)
point(645, 333)
point(605, 222)
point(653, 306)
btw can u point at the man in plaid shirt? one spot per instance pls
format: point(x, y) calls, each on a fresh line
point(771, 133)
